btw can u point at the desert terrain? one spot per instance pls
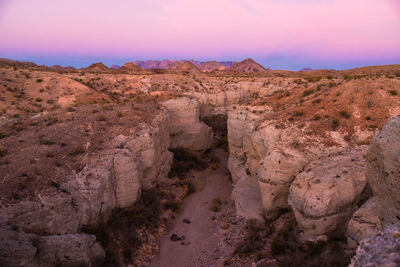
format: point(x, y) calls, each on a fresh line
point(187, 163)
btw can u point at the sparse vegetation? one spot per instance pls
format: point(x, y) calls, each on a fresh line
point(344, 114)
point(185, 161)
point(216, 204)
point(79, 150)
point(308, 92)
point(334, 124)
point(298, 113)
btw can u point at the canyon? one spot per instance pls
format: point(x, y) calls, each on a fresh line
point(100, 167)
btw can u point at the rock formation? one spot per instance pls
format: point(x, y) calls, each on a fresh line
point(325, 195)
point(186, 129)
point(383, 170)
point(381, 249)
point(382, 173)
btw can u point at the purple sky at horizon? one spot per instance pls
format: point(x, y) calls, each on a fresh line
point(281, 34)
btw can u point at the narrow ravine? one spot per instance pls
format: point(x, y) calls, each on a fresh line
point(200, 246)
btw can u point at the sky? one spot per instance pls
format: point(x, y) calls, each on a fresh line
point(281, 34)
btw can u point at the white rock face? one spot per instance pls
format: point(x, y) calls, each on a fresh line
point(264, 155)
point(241, 123)
point(364, 222)
point(383, 171)
point(276, 173)
point(218, 103)
point(246, 193)
point(151, 147)
point(325, 195)
point(186, 130)
point(112, 179)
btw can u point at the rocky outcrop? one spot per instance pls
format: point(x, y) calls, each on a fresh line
point(186, 130)
point(383, 171)
point(51, 214)
point(364, 222)
point(21, 249)
point(382, 249)
point(246, 193)
point(263, 155)
point(325, 195)
point(111, 178)
point(150, 143)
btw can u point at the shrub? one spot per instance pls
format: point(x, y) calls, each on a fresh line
point(253, 240)
point(393, 92)
point(79, 150)
point(279, 245)
point(315, 248)
point(122, 228)
point(316, 117)
point(102, 118)
point(3, 152)
point(223, 143)
point(313, 79)
point(344, 114)
point(39, 80)
point(298, 113)
point(50, 101)
point(38, 99)
point(308, 92)
point(316, 101)
point(172, 205)
point(119, 115)
point(216, 205)
point(185, 161)
point(70, 109)
point(334, 124)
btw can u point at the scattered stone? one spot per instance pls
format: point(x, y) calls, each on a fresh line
point(186, 221)
point(176, 237)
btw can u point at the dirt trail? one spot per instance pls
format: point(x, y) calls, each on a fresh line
point(201, 235)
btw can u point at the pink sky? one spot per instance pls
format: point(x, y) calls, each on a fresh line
point(308, 30)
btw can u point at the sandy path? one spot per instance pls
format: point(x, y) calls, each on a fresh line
point(203, 249)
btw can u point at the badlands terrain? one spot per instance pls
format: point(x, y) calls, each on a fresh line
point(185, 163)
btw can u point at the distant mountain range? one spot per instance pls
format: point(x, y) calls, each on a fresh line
point(157, 66)
point(171, 64)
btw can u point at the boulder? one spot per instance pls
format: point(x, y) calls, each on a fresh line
point(381, 249)
point(325, 196)
point(364, 222)
point(383, 170)
point(275, 175)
